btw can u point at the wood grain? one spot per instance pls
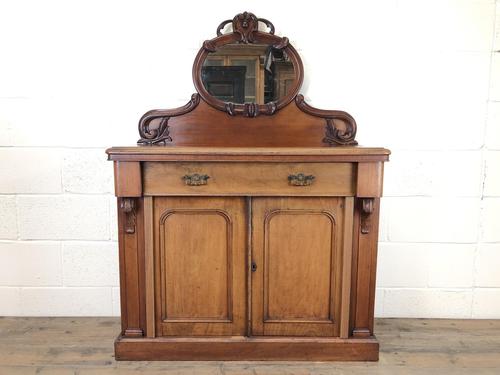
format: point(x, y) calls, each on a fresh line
point(127, 179)
point(297, 245)
point(249, 348)
point(200, 252)
point(346, 267)
point(253, 154)
point(369, 179)
point(161, 179)
point(365, 247)
point(131, 258)
point(149, 266)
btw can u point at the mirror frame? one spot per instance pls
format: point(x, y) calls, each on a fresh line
point(245, 31)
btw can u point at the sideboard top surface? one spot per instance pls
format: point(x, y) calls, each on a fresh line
point(287, 154)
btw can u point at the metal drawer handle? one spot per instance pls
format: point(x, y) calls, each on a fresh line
point(196, 179)
point(300, 179)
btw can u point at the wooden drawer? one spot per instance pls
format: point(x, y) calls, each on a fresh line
point(267, 179)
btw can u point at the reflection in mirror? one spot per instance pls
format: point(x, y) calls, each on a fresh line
point(250, 73)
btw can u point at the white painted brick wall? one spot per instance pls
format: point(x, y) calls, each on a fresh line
point(80, 266)
point(429, 303)
point(486, 303)
point(30, 263)
point(8, 217)
point(487, 266)
point(66, 301)
point(430, 93)
point(40, 172)
point(86, 171)
point(493, 129)
point(64, 217)
point(492, 174)
point(490, 222)
point(442, 219)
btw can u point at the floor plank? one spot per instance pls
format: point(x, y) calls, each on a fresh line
point(84, 346)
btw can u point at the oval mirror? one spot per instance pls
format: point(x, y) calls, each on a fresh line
point(247, 71)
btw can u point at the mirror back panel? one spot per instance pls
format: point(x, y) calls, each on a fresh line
point(247, 83)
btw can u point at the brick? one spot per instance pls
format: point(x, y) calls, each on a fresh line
point(66, 302)
point(69, 125)
point(10, 301)
point(491, 173)
point(488, 266)
point(113, 219)
point(414, 219)
point(22, 116)
point(433, 173)
point(64, 217)
point(90, 263)
point(439, 105)
point(490, 220)
point(428, 303)
point(496, 44)
point(30, 264)
point(451, 265)
point(379, 302)
point(26, 170)
point(495, 77)
point(383, 220)
point(493, 126)
point(486, 304)
point(451, 25)
point(87, 171)
point(402, 265)
point(8, 217)
point(116, 301)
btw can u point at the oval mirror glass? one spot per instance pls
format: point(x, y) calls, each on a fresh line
point(248, 73)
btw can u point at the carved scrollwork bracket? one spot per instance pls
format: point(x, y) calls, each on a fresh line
point(127, 205)
point(160, 134)
point(367, 207)
point(336, 134)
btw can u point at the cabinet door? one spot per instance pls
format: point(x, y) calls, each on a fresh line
point(200, 266)
point(296, 255)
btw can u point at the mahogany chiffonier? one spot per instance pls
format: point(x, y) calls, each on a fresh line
point(248, 219)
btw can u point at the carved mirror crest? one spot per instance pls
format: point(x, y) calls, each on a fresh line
point(248, 72)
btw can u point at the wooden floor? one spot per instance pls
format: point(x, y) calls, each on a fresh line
point(84, 346)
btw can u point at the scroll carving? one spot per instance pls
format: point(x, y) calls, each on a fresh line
point(367, 207)
point(161, 133)
point(128, 207)
point(245, 24)
point(335, 134)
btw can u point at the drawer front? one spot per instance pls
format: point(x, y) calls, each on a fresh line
point(265, 179)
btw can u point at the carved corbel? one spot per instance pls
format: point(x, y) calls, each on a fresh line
point(127, 205)
point(367, 206)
